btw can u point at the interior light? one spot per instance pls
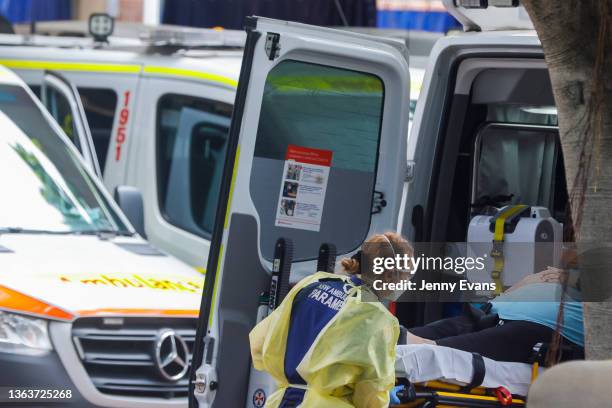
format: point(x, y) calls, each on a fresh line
point(540, 110)
point(481, 4)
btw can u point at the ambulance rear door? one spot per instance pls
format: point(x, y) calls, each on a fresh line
point(316, 153)
point(62, 100)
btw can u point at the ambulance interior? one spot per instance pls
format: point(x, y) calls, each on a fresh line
point(500, 147)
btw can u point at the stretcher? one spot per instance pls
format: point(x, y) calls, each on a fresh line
point(437, 376)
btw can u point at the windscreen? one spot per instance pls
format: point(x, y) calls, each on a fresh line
point(47, 187)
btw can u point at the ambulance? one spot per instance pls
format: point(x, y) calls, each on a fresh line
point(91, 315)
point(150, 107)
point(485, 92)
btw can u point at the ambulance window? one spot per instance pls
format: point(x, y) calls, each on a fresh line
point(100, 105)
point(191, 145)
point(331, 113)
point(519, 163)
point(59, 108)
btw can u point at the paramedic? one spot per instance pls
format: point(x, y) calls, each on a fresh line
point(519, 322)
point(325, 346)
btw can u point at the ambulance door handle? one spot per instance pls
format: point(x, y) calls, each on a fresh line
point(205, 385)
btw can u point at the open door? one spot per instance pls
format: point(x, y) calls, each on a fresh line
point(316, 154)
point(62, 100)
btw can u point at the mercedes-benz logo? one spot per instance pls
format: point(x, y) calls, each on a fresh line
point(171, 355)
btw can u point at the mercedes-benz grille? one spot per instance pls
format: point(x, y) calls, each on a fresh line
point(136, 356)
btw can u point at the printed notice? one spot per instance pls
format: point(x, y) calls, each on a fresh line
point(303, 188)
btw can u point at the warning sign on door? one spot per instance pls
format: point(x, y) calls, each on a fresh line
point(303, 188)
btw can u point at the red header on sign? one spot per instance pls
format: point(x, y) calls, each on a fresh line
point(309, 155)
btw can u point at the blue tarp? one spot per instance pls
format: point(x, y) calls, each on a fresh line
point(438, 21)
point(22, 11)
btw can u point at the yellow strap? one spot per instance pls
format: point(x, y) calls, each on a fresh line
point(498, 237)
point(534, 371)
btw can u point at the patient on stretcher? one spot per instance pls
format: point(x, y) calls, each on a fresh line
point(518, 326)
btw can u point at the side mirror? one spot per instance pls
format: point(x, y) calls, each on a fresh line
point(130, 201)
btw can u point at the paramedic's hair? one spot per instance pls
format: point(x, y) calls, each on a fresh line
point(395, 244)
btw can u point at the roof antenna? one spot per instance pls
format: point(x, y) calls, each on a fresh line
point(32, 19)
point(341, 13)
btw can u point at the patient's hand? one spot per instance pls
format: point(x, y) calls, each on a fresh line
point(549, 275)
point(412, 339)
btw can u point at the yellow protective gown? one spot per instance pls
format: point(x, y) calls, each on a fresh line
point(350, 364)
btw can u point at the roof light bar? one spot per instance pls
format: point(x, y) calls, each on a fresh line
point(177, 36)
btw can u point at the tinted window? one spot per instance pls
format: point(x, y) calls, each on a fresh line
point(100, 106)
point(191, 145)
point(327, 109)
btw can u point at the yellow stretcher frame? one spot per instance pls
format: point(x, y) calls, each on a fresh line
point(445, 395)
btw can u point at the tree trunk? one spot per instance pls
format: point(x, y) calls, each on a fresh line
point(576, 36)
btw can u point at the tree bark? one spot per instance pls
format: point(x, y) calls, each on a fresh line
point(576, 36)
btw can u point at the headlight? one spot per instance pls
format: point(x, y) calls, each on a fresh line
point(23, 335)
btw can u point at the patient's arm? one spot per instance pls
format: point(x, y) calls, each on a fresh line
point(549, 275)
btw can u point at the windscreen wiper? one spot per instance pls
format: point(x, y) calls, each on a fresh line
point(107, 232)
point(20, 230)
point(98, 232)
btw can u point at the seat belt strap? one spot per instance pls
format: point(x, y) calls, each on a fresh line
point(497, 253)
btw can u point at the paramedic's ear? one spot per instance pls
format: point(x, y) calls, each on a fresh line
point(130, 201)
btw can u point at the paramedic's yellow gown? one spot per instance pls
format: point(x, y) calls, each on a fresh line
point(350, 364)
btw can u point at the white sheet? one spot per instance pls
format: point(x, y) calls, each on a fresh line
point(425, 362)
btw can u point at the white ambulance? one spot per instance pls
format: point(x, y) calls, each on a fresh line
point(91, 315)
point(484, 93)
point(150, 112)
point(157, 102)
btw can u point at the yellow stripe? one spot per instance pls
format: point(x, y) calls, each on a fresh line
point(71, 66)
point(191, 74)
point(200, 269)
point(226, 221)
point(214, 295)
point(231, 193)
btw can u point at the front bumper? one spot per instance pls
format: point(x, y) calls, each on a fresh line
point(61, 370)
point(45, 373)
